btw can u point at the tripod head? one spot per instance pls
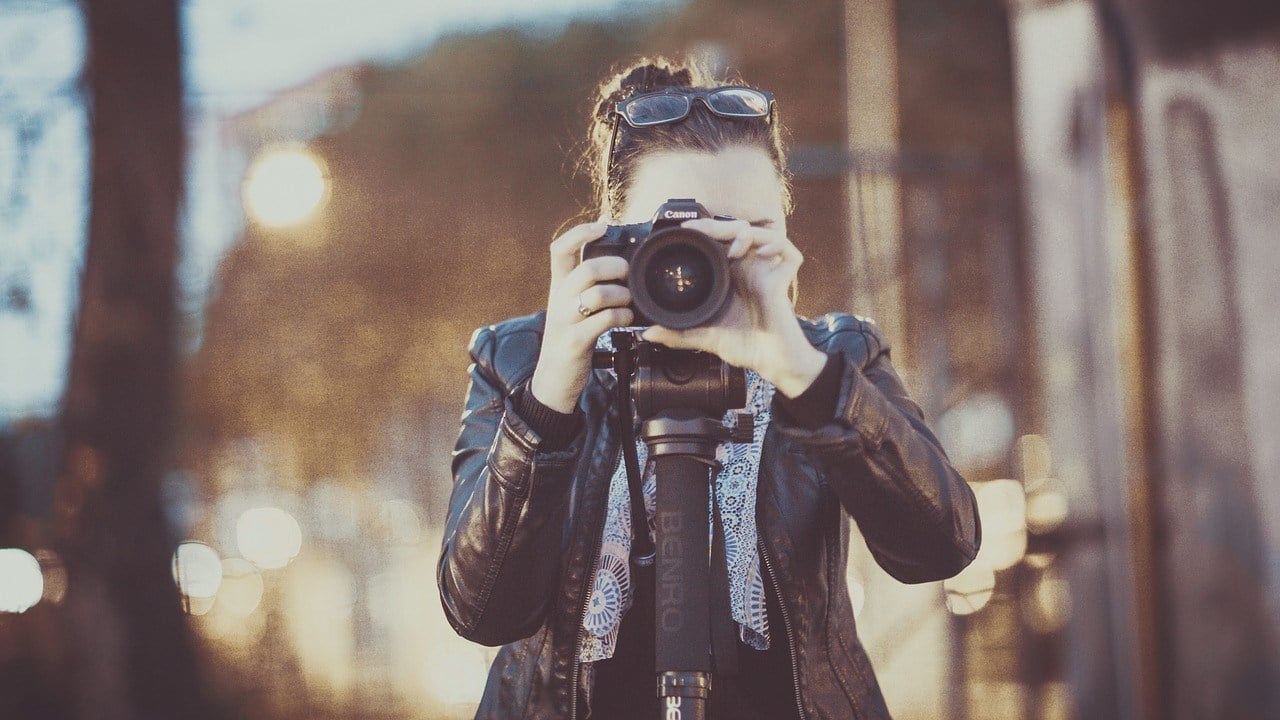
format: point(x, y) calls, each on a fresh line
point(687, 386)
point(657, 379)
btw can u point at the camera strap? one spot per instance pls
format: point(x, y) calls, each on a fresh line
point(642, 550)
point(724, 631)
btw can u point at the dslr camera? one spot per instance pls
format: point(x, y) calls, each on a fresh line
point(679, 278)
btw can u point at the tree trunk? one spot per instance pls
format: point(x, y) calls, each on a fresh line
point(130, 649)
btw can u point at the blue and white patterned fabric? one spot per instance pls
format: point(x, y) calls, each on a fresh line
point(735, 489)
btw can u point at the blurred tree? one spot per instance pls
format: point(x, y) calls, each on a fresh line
point(125, 634)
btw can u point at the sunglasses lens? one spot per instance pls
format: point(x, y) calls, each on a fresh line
point(739, 102)
point(656, 109)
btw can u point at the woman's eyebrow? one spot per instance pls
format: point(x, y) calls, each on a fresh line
point(766, 222)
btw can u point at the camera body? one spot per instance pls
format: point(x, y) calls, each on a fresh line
point(679, 278)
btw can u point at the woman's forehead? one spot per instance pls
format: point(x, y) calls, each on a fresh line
point(740, 181)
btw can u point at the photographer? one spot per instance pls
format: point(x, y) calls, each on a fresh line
point(535, 553)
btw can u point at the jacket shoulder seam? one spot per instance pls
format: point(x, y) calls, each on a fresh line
point(827, 328)
point(507, 329)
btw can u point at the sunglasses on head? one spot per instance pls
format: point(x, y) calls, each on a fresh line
point(673, 104)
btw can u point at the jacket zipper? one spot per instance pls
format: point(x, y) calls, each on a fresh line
point(586, 603)
point(786, 622)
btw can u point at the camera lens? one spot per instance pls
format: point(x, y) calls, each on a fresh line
point(680, 278)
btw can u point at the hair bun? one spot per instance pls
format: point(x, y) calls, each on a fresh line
point(646, 76)
point(650, 77)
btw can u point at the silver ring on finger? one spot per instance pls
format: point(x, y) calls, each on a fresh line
point(583, 310)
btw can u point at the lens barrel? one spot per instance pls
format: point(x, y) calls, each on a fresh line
point(679, 278)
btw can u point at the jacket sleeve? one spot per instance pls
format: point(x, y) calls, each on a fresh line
point(500, 556)
point(917, 514)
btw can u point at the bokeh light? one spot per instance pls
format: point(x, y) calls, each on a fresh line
point(319, 592)
point(969, 592)
point(1039, 560)
point(978, 431)
point(1037, 461)
point(234, 631)
point(1002, 509)
point(335, 511)
point(386, 596)
point(197, 569)
point(455, 672)
point(268, 537)
point(1048, 607)
point(399, 523)
point(1046, 510)
point(285, 186)
point(199, 605)
point(242, 587)
point(21, 582)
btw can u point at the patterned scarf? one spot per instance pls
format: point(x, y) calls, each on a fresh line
point(735, 489)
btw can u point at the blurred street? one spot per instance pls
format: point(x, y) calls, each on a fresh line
point(243, 246)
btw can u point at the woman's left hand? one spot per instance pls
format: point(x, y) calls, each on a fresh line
point(759, 329)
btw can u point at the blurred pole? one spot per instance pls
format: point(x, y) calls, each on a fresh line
point(873, 112)
point(871, 56)
point(1080, 266)
point(130, 655)
point(1138, 315)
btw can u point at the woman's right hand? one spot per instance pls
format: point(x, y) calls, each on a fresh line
point(564, 363)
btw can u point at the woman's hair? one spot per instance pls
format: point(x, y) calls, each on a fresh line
point(701, 131)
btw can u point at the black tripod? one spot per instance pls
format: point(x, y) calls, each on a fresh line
point(681, 396)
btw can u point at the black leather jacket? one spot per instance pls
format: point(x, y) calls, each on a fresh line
point(524, 526)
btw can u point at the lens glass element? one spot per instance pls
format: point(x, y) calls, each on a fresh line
point(739, 102)
point(656, 109)
point(679, 277)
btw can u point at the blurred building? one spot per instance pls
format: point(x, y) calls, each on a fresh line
point(1067, 205)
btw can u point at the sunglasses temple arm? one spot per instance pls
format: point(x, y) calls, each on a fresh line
point(608, 161)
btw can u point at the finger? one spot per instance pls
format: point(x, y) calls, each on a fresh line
point(697, 338)
point(717, 229)
point(595, 270)
point(777, 247)
point(565, 249)
point(750, 238)
point(603, 295)
point(595, 324)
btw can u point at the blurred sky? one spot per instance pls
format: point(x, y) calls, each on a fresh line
point(240, 49)
point(238, 53)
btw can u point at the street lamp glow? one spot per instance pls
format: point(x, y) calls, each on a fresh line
point(21, 582)
point(284, 187)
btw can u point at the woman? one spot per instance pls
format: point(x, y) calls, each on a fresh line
point(535, 550)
